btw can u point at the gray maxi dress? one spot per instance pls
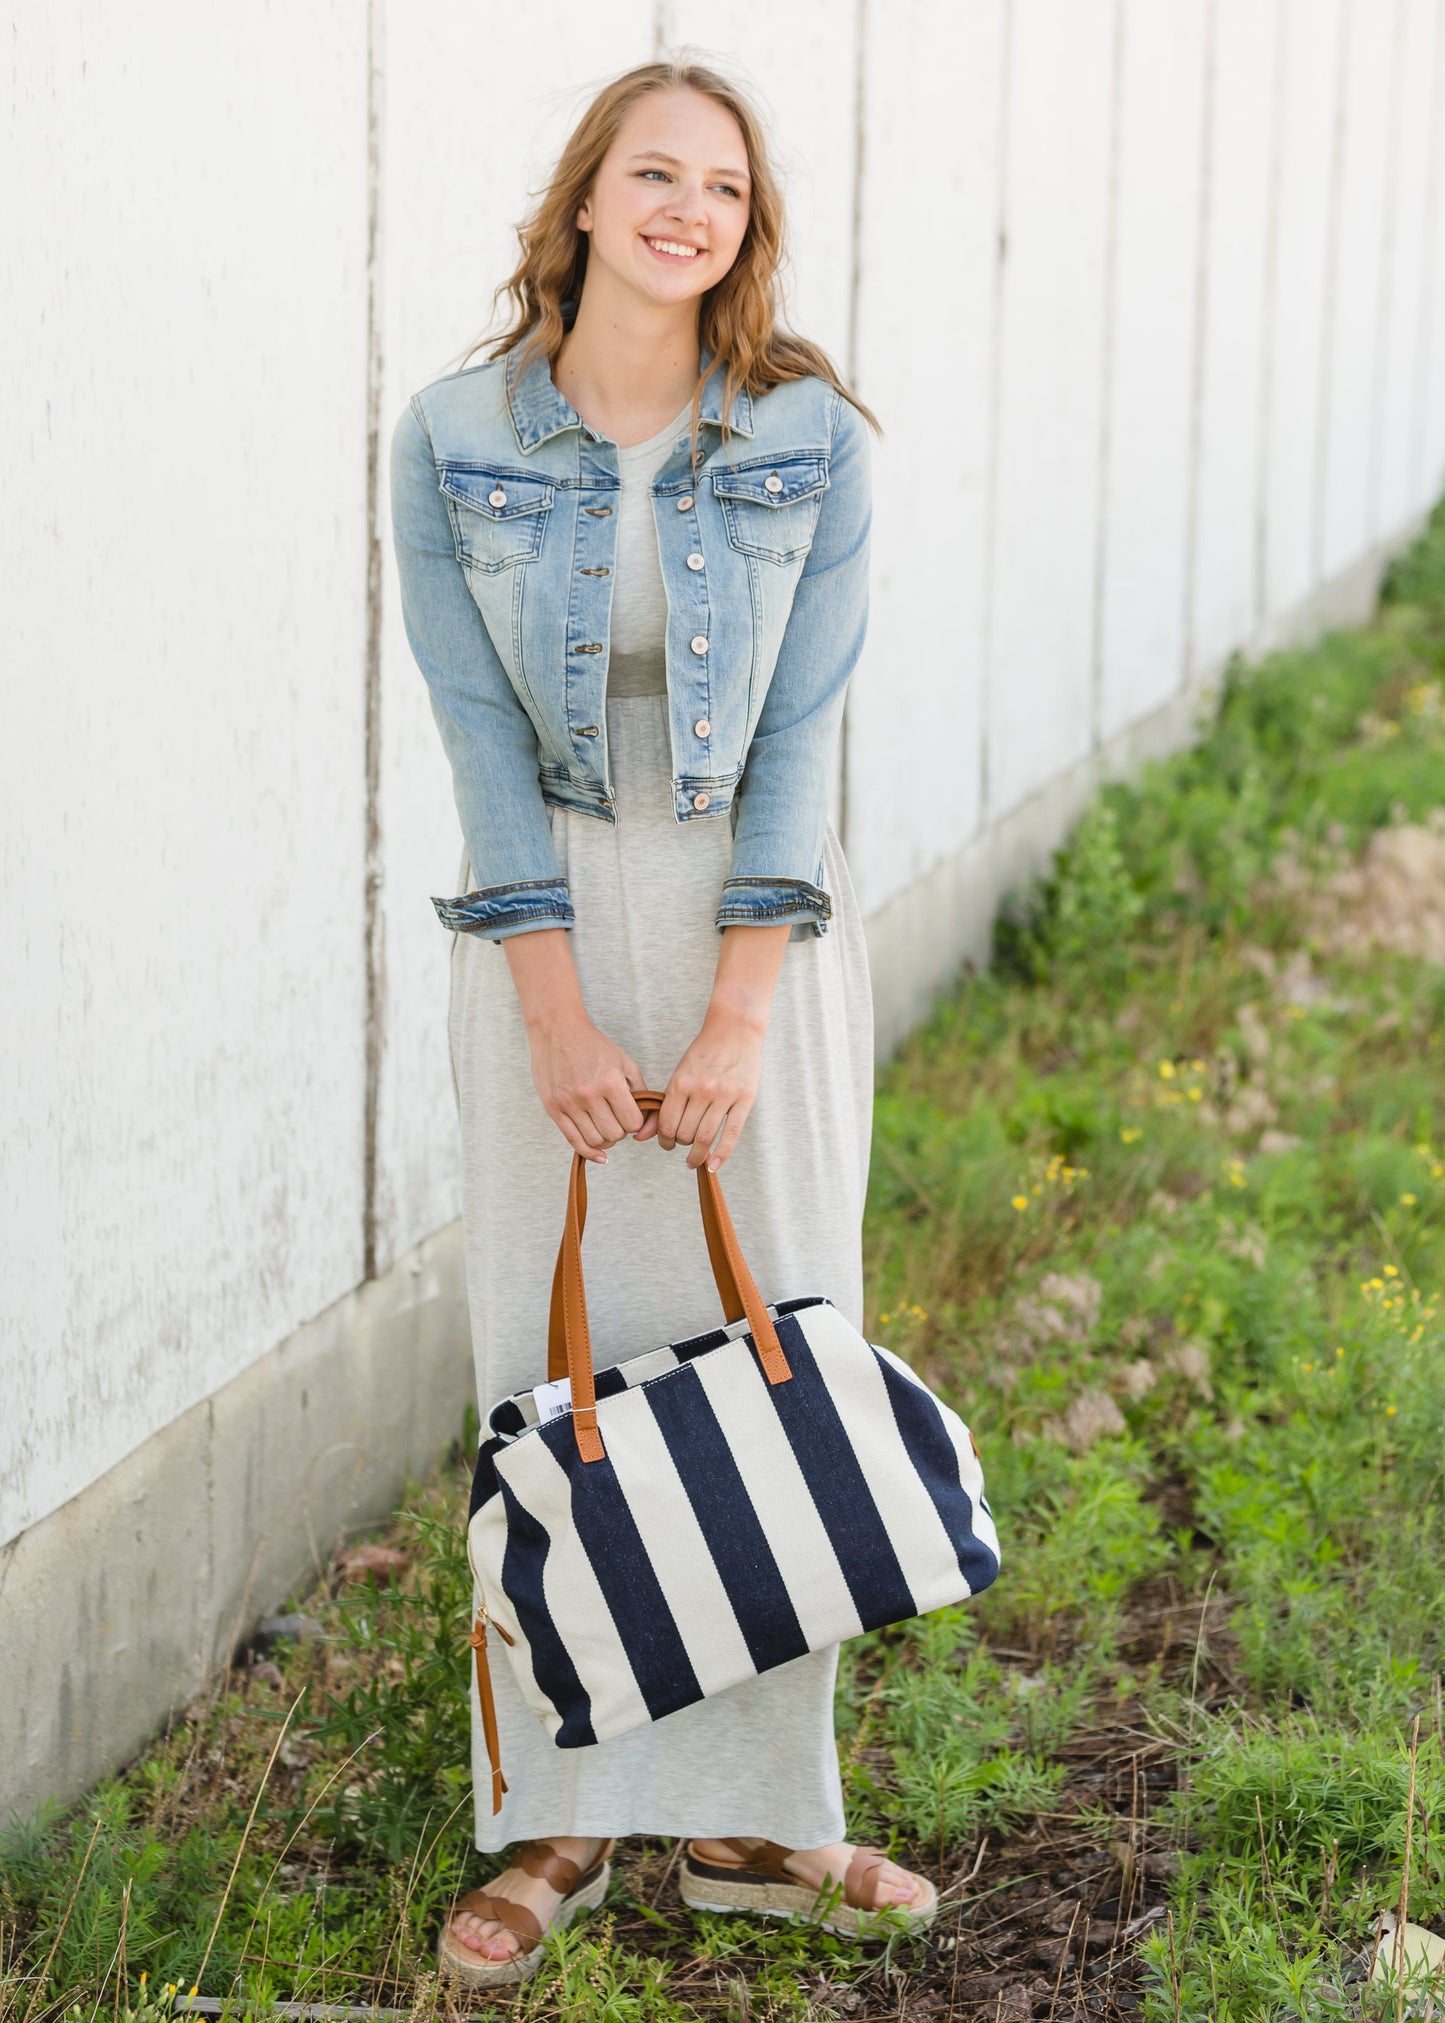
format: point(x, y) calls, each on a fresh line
point(759, 1758)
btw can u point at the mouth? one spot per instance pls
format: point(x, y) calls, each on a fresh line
point(675, 250)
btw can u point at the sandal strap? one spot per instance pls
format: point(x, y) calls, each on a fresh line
point(861, 1884)
point(539, 1858)
point(765, 1856)
point(516, 1918)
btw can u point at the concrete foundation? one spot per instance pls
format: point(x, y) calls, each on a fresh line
point(120, 1605)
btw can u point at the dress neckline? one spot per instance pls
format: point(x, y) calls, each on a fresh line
point(655, 441)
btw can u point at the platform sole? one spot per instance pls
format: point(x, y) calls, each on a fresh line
point(475, 1972)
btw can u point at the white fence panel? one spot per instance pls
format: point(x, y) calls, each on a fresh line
point(1056, 219)
point(1394, 493)
point(1235, 279)
point(929, 266)
point(1351, 413)
point(185, 379)
point(1300, 237)
point(1150, 414)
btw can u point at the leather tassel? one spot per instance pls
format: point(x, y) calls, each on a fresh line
point(478, 1642)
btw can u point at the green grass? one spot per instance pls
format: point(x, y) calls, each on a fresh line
point(1157, 1202)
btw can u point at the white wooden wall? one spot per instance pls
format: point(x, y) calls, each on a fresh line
point(1149, 295)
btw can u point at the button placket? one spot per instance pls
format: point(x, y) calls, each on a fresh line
point(587, 618)
point(695, 562)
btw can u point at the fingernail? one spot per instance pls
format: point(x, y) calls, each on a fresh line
point(713, 1164)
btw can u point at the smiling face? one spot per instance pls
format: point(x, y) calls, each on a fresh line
point(669, 206)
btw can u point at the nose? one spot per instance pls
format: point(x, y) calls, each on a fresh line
point(686, 203)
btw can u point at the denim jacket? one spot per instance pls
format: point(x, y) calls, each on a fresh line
point(504, 521)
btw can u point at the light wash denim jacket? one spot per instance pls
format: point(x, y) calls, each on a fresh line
point(504, 521)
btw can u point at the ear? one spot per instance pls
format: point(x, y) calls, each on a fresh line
point(583, 219)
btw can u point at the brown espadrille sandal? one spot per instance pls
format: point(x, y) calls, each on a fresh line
point(580, 1891)
point(758, 1882)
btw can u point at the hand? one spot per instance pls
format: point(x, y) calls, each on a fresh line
point(713, 1088)
point(585, 1081)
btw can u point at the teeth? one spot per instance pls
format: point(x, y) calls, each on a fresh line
point(671, 246)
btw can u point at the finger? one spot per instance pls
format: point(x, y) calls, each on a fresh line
point(714, 1119)
point(690, 1122)
point(608, 1122)
point(577, 1141)
point(732, 1131)
point(581, 1115)
point(669, 1116)
point(624, 1109)
point(648, 1126)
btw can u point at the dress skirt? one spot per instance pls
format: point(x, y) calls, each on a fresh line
point(759, 1758)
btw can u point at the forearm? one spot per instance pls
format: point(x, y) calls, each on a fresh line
point(747, 973)
point(545, 979)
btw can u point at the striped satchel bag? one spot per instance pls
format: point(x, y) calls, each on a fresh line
point(718, 1506)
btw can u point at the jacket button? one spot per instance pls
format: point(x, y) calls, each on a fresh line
point(772, 483)
point(698, 642)
point(695, 562)
point(701, 800)
point(701, 728)
point(684, 504)
point(497, 498)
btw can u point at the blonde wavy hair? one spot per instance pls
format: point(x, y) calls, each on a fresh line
point(738, 318)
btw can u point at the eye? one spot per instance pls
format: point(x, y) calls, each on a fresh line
point(731, 191)
point(654, 172)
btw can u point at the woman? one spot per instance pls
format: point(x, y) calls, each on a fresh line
point(633, 558)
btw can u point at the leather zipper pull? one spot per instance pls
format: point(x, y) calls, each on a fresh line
point(478, 1642)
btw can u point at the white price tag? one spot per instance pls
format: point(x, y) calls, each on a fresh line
point(553, 1399)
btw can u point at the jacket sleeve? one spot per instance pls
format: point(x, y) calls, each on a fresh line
point(783, 795)
point(489, 739)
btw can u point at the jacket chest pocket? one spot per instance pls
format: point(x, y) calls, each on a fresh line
point(771, 510)
point(498, 517)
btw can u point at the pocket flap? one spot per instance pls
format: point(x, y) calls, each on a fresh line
point(779, 484)
point(499, 495)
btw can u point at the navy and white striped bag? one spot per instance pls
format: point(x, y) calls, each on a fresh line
point(713, 1508)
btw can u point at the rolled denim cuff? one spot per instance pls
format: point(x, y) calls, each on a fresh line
point(502, 910)
point(765, 902)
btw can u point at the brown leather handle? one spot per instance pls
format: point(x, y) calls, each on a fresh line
point(569, 1340)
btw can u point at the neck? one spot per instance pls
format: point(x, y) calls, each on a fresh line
point(627, 366)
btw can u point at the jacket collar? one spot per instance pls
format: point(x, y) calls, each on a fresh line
point(539, 411)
